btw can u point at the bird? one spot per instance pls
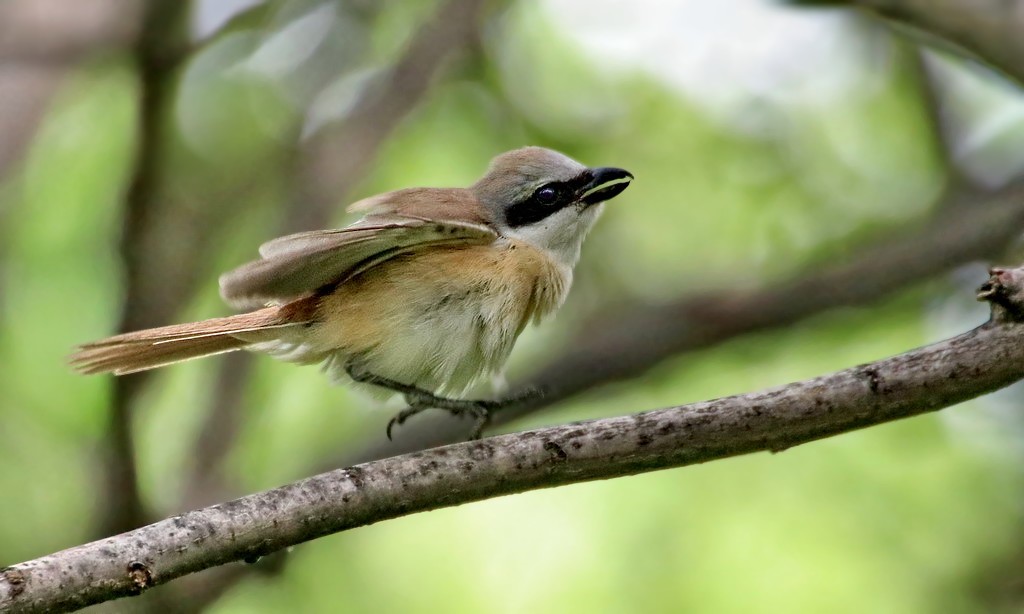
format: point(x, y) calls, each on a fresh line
point(423, 296)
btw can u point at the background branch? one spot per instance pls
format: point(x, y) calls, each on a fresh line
point(986, 29)
point(936, 112)
point(156, 58)
point(41, 41)
point(927, 379)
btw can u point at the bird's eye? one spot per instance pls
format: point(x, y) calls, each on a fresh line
point(547, 195)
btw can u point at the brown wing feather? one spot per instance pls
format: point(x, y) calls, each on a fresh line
point(441, 204)
point(297, 265)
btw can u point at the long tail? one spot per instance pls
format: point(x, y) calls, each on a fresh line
point(156, 347)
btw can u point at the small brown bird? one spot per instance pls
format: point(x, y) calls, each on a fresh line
point(423, 296)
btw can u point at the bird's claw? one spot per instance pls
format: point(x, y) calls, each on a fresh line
point(483, 418)
point(480, 410)
point(418, 399)
point(402, 416)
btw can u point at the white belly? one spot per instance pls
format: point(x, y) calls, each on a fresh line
point(448, 346)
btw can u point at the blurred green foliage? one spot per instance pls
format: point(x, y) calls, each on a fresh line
point(902, 518)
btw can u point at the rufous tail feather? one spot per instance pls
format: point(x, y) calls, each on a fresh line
point(157, 347)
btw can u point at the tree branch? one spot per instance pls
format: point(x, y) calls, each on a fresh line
point(989, 29)
point(40, 43)
point(937, 115)
point(155, 54)
point(927, 379)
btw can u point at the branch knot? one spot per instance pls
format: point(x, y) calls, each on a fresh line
point(1004, 290)
point(141, 576)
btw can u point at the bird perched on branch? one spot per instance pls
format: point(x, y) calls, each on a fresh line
point(422, 296)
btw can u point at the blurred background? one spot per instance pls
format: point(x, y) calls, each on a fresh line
point(814, 189)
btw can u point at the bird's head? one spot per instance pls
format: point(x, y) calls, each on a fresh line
point(547, 199)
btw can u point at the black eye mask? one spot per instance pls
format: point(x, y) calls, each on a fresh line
point(588, 188)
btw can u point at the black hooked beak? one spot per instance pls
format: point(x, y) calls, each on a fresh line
point(606, 183)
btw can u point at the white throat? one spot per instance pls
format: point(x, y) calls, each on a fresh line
point(560, 234)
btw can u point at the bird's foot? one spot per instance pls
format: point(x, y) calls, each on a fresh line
point(419, 400)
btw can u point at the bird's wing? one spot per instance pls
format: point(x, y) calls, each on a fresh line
point(299, 264)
